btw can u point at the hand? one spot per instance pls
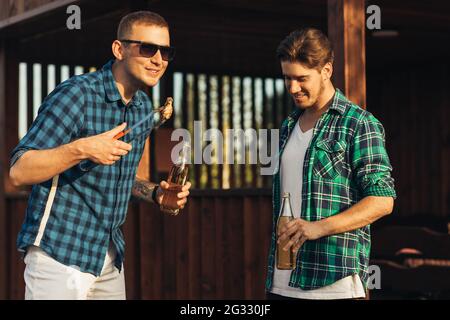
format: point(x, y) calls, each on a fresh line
point(103, 148)
point(299, 230)
point(182, 195)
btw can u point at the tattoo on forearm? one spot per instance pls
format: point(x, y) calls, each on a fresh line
point(143, 190)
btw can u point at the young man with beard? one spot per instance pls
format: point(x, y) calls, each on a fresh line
point(71, 234)
point(334, 164)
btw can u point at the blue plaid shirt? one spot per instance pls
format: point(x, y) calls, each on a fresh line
point(75, 223)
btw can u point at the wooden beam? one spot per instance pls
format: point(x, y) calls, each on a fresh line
point(346, 31)
point(36, 12)
point(3, 165)
point(11, 135)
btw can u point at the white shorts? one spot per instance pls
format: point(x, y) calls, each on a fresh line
point(48, 279)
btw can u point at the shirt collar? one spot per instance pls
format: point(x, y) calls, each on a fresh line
point(112, 93)
point(339, 104)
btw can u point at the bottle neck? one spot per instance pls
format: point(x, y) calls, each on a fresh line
point(183, 156)
point(286, 209)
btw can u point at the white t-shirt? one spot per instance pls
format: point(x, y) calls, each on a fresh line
point(291, 181)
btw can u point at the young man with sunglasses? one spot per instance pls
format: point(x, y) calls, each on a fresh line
point(334, 164)
point(71, 237)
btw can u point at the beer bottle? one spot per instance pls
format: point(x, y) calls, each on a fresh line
point(176, 179)
point(285, 259)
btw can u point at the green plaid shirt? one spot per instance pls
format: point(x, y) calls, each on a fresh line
point(345, 162)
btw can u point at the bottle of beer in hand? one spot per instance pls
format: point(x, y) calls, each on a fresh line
point(176, 179)
point(285, 259)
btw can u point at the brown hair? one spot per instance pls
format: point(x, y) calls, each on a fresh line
point(139, 17)
point(308, 46)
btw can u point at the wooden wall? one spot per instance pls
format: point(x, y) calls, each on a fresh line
point(11, 8)
point(413, 104)
point(215, 249)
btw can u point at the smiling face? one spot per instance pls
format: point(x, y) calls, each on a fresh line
point(305, 85)
point(142, 71)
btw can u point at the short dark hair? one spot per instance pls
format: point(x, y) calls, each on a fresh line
point(308, 46)
point(139, 17)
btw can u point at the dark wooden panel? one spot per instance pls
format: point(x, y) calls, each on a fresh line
point(3, 157)
point(220, 125)
point(194, 241)
point(417, 135)
point(30, 95)
point(17, 265)
point(250, 241)
point(132, 252)
point(265, 218)
point(182, 251)
point(233, 249)
point(346, 31)
point(168, 257)
point(208, 274)
point(12, 110)
point(152, 251)
point(219, 243)
point(216, 248)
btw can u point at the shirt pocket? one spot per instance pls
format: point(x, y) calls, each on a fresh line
point(329, 160)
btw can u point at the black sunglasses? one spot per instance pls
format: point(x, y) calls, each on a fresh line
point(148, 50)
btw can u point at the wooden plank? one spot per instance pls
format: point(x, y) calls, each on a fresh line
point(220, 126)
point(265, 218)
point(249, 247)
point(434, 148)
point(44, 81)
point(132, 251)
point(71, 70)
point(220, 220)
point(265, 118)
point(346, 31)
point(3, 220)
point(233, 250)
point(182, 251)
point(184, 107)
point(208, 261)
point(444, 153)
point(16, 216)
point(207, 120)
point(11, 135)
point(242, 167)
point(30, 95)
point(57, 74)
point(151, 251)
point(196, 91)
point(20, 15)
point(254, 167)
point(168, 257)
point(194, 242)
point(231, 166)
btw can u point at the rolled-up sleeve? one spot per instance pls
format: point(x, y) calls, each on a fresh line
point(370, 161)
point(59, 120)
